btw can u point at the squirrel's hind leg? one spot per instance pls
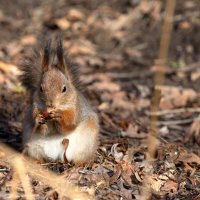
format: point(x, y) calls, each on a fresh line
point(83, 142)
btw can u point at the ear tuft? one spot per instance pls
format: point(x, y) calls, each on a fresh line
point(46, 55)
point(60, 55)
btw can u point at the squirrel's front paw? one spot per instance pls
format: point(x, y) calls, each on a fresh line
point(40, 119)
point(55, 114)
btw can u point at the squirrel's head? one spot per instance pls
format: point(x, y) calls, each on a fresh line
point(56, 87)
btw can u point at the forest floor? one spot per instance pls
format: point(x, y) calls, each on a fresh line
point(115, 44)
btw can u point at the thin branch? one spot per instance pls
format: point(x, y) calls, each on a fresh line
point(175, 122)
point(4, 170)
point(159, 75)
point(159, 80)
point(174, 111)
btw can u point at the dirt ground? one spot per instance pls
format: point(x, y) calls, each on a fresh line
point(116, 45)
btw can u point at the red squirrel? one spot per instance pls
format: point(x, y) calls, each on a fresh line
point(58, 113)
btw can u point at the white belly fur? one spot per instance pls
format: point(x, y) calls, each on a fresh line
point(82, 145)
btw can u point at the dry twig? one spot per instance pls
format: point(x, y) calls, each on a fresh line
point(159, 80)
point(174, 111)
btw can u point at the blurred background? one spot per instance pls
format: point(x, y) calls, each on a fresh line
point(115, 44)
point(114, 27)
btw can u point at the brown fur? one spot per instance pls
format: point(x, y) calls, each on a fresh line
point(92, 124)
point(62, 112)
point(35, 64)
point(68, 120)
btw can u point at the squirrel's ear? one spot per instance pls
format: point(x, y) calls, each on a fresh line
point(60, 55)
point(46, 55)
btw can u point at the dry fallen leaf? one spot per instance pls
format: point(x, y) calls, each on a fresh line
point(173, 97)
point(154, 183)
point(104, 106)
point(133, 131)
point(125, 194)
point(187, 157)
point(28, 40)
point(127, 172)
point(170, 186)
point(82, 47)
point(117, 173)
point(120, 100)
point(195, 75)
point(9, 68)
point(75, 15)
point(95, 62)
point(137, 176)
point(106, 86)
point(62, 23)
point(194, 132)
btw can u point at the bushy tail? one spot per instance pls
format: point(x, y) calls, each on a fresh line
point(33, 66)
point(31, 72)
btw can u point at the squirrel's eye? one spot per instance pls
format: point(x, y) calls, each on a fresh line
point(41, 89)
point(64, 89)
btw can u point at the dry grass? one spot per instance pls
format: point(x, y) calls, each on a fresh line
point(20, 170)
point(14, 184)
point(24, 166)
